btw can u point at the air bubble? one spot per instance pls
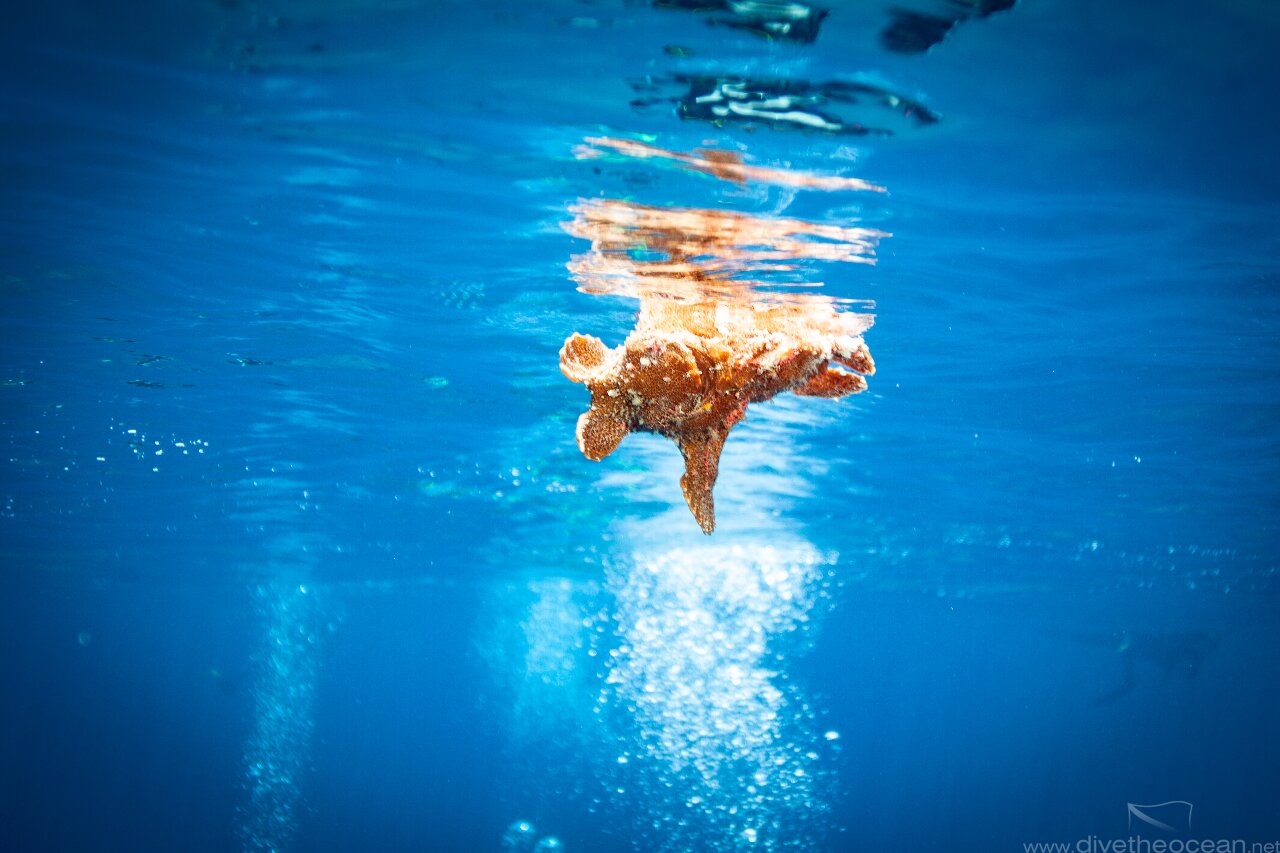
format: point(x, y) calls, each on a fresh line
point(519, 837)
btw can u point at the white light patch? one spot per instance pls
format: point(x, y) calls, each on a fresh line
point(724, 748)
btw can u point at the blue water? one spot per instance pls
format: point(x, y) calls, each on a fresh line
point(299, 553)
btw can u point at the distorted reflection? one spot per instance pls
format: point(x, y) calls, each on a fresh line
point(836, 107)
point(708, 342)
point(692, 254)
point(723, 164)
point(917, 30)
point(769, 18)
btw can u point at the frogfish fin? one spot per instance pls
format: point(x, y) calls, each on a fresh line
point(582, 356)
point(600, 433)
point(831, 382)
point(701, 451)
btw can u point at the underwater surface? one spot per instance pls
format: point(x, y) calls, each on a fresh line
point(299, 548)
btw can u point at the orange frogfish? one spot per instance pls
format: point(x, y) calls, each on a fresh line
point(689, 369)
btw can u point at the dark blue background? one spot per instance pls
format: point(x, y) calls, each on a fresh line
point(325, 239)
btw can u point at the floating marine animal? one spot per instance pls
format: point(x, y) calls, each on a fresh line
point(707, 342)
point(690, 368)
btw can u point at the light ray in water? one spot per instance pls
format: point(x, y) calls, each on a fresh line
point(279, 747)
point(715, 738)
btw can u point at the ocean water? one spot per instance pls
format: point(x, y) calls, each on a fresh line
point(298, 550)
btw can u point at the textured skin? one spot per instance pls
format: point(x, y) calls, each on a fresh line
point(690, 368)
